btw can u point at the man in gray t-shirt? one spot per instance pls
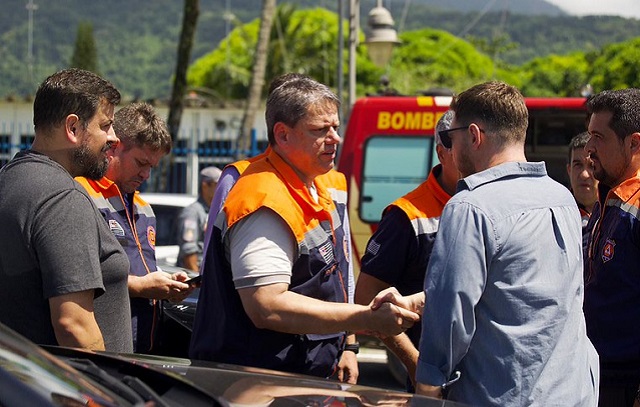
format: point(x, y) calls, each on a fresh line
point(64, 274)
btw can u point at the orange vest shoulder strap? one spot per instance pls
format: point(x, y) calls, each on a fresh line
point(262, 188)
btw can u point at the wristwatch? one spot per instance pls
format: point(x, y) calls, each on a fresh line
point(352, 347)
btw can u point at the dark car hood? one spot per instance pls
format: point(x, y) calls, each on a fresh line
point(231, 384)
point(247, 385)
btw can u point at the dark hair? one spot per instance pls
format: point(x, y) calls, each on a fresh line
point(290, 97)
point(624, 104)
point(500, 107)
point(71, 91)
point(138, 125)
point(578, 141)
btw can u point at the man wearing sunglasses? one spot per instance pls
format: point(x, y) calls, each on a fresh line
point(503, 290)
point(398, 252)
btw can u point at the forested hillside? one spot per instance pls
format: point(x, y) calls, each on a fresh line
point(136, 40)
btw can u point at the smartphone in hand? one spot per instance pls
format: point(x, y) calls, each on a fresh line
point(195, 281)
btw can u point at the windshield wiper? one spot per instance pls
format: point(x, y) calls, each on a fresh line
point(130, 388)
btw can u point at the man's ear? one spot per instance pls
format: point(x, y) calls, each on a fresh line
point(281, 133)
point(71, 127)
point(477, 135)
point(634, 143)
point(440, 151)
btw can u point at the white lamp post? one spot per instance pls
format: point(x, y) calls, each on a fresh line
point(382, 36)
point(380, 41)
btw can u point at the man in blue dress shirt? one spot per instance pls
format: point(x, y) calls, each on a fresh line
point(504, 287)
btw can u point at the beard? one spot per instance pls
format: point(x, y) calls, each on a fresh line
point(464, 164)
point(614, 174)
point(89, 164)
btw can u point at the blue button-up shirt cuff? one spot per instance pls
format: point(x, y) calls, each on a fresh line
point(429, 374)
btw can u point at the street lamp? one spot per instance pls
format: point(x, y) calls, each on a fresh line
point(382, 35)
point(380, 41)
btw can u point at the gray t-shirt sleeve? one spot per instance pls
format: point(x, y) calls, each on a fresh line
point(67, 245)
point(261, 250)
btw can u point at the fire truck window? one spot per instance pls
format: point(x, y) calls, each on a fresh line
point(548, 136)
point(392, 167)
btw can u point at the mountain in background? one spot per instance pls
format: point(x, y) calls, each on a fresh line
point(524, 7)
point(137, 39)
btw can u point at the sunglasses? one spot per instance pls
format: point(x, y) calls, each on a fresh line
point(445, 138)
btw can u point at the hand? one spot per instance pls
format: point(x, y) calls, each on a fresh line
point(429, 390)
point(179, 296)
point(390, 320)
point(414, 302)
point(348, 368)
point(160, 286)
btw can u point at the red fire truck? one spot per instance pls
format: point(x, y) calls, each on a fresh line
point(389, 149)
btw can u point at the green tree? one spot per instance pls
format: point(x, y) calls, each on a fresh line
point(432, 58)
point(85, 54)
point(616, 66)
point(303, 41)
point(227, 76)
point(555, 75)
point(306, 41)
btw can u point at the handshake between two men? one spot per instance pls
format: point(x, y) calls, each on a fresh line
point(408, 310)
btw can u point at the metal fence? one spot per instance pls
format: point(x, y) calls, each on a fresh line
point(188, 157)
point(202, 141)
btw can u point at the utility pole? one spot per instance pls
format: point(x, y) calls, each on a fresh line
point(31, 7)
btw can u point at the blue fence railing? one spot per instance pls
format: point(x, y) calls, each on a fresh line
point(188, 153)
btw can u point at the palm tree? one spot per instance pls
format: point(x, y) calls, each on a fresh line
point(257, 77)
point(176, 104)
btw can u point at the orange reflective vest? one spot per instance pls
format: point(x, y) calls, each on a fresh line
point(320, 271)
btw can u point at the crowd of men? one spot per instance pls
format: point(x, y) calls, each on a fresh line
point(493, 283)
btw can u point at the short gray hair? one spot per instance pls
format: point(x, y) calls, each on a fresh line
point(444, 123)
point(290, 98)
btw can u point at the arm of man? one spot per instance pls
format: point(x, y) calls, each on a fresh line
point(190, 261)
point(73, 321)
point(348, 365)
point(276, 308)
point(454, 284)
point(366, 290)
point(261, 257)
point(73, 267)
point(384, 263)
point(348, 370)
point(160, 286)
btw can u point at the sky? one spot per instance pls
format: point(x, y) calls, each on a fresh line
point(623, 8)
